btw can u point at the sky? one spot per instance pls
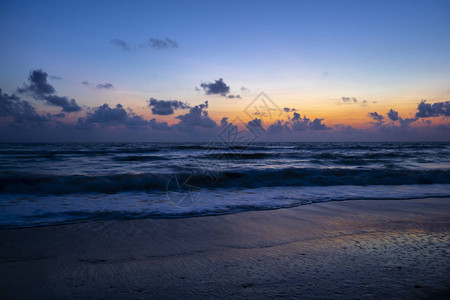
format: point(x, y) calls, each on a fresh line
point(192, 70)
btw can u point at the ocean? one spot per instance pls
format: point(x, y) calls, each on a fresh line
point(57, 183)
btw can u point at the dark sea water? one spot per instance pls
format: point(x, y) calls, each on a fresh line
point(53, 183)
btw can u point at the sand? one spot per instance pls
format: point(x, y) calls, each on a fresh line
point(341, 250)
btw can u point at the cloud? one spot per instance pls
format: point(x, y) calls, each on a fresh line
point(278, 126)
point(107, 116)
point(255, 125)
point(428, 110)
point(393, 115)
point(154, 124)
point(317, 125)
point(21, 111)
point(376, 116)
point(166, 107)
point(106, 86)
point(55, 77)
point(406, 122)
point(121, 44)
point(287, 109)
point(40, 89)
point(64, 102)
point(162, 44)
point(218, 87)
point(349, 100)
point(85, 82)
point(224, 121)
point(38, 86)
point(244, 89)
point(197, 117)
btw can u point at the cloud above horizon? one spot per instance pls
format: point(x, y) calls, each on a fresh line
point(40, 89)
point(155, 43)
point(428, 110)
point(166, 107)
point(21, 116)
point(106, 86)
point(218, 87)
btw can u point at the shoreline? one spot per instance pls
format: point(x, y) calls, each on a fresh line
point(340, 249)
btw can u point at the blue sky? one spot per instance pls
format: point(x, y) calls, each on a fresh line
point(304, 54)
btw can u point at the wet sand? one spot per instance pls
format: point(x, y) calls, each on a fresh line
point(349, 250)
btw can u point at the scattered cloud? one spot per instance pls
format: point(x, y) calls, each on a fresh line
point(287, 109)
point(393, 115)
point(197, 117)
point(376, 116)
point(85, 82)
point(20, 110)
point(64, 102)
point(107, 116)
point(106, 86)
point(121, 44)
point(38, 86)
point(151, 42)
point(162, 43)
point(244, 89)
point(318, 125)
point(154, 124)
point(218, 87)
point(55, 77)
point(349, 100)
point(166, 107)
point(428, 110)
point(40, 89)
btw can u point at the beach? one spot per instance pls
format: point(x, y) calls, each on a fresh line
point(362, 249)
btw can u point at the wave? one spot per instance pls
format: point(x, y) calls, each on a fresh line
point(24, 183)
point(139, 158)
point(30, 211)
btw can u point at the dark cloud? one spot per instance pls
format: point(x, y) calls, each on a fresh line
point(255, 124)
point(121, 44)
point(106, 86)
point(107, 116)
point(278, 126)
point(300, 124)
point(224, 121)
point(162, 43)
point(197, 117)
point(158, 125)
point(349, 100)
point(376, 116)
point(218, 87)
point(38, 86)
point(317, 125)
point(40, 89)
point(55, 77)
point(85, 82)
point(428, 110)
point(393, 115)
point(406, 122)
point(287, 109)
point(20, 110)
point(166, 107)
point(66, 104)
